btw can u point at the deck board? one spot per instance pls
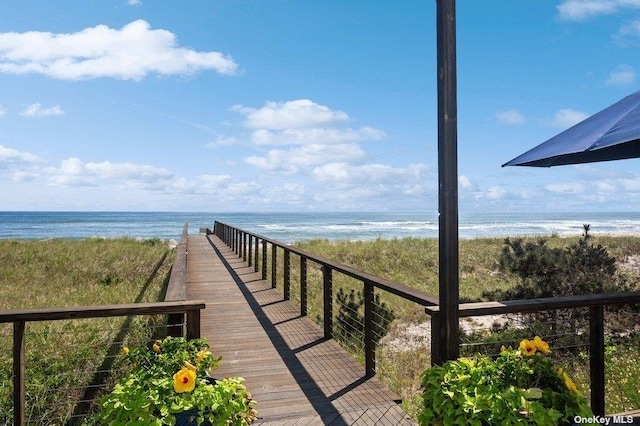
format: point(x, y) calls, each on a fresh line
point(296, 375)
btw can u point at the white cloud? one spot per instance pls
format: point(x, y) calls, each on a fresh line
point(566, 118)
point(372, 174)
point(12, 156)
point(129, 53)
point(74, 172)
point(495, 193)
point(291, 160)
point(134, 2)
point(565, 188)
point(2, 111)
point(36, 110)
point(510, 117)
point(629, 32)
point(297, 114)
point(315, 136)
point(622, 75)
point(465, 183)
point(581, 10)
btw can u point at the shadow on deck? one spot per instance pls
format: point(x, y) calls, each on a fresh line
point(296, 375)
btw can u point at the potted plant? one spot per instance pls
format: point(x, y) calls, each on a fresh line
point(169, 384)
point(520, 386)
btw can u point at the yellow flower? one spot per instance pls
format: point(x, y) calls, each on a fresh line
point(202, 355)
point(502, 348)
point(184, 380)
point(570, 384)
point(156, 346)
point(528, 347)
point(541, 345)
point(189, 366)
point(125, 350)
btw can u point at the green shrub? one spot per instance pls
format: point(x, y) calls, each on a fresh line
point(520, 386)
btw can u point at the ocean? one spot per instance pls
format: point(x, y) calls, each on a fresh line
point(290, 227)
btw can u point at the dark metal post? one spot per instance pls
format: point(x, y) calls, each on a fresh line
point(255, 266)
point(327, 291)
point(303, 286)
point(264, 260)
point(244, 246)
point(18, 373)
point(274, 265)
point(369, 343)
point(448, 181)
point(250, 247)
point(287, 274)
point(436, 353)
point(597, 359)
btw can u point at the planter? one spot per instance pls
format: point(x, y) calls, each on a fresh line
point(189, 418)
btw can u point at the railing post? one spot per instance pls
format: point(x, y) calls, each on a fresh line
point(369, 343)
point(18, 373)
point(255, 266)
point(287, 274)
point(436, 355)
point(303, 286)
point(264, 260)
point(274, 265)
point(250, 251)
point(193, 324)
point(244, 247)
point(327, 291)
point(597, 359)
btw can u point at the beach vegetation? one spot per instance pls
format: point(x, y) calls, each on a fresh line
point(67, 362)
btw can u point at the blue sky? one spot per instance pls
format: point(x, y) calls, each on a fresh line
point(279, 105)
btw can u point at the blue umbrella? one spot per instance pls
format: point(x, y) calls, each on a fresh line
point(611, 134)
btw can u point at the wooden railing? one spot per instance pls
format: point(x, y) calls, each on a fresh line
point(249, 246)
point(177, 286)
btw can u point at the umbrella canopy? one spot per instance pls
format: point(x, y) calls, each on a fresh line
point(611, 134)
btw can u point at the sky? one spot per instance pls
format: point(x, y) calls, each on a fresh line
point(282, 105)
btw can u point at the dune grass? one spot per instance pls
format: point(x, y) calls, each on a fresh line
point(414, 263)
point(62, 357)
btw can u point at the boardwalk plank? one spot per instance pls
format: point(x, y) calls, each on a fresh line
point(297, 376)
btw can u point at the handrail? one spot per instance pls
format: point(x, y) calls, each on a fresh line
point(477, 309)
point(408, 293)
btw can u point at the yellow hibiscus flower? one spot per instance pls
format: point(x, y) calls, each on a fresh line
point(569, 383)
point(541, 345)
point(156, 346)
point(184, 380)
point(528, 347)
point(125, 350)
point(202, 355)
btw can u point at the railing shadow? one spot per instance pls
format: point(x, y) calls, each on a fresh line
point(314, 393)
point(91, 390)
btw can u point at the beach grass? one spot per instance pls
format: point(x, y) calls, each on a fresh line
point(62, 357)
point(414, 263)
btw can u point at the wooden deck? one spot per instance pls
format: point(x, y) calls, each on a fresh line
point(296, 376)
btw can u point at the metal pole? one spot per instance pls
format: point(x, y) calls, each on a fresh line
point(447, 180)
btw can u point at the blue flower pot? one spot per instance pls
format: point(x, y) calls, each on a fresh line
point(188, 418)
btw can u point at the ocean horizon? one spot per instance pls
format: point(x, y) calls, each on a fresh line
point(291, 227)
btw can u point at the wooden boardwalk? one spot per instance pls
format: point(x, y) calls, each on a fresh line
point(296, 376)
